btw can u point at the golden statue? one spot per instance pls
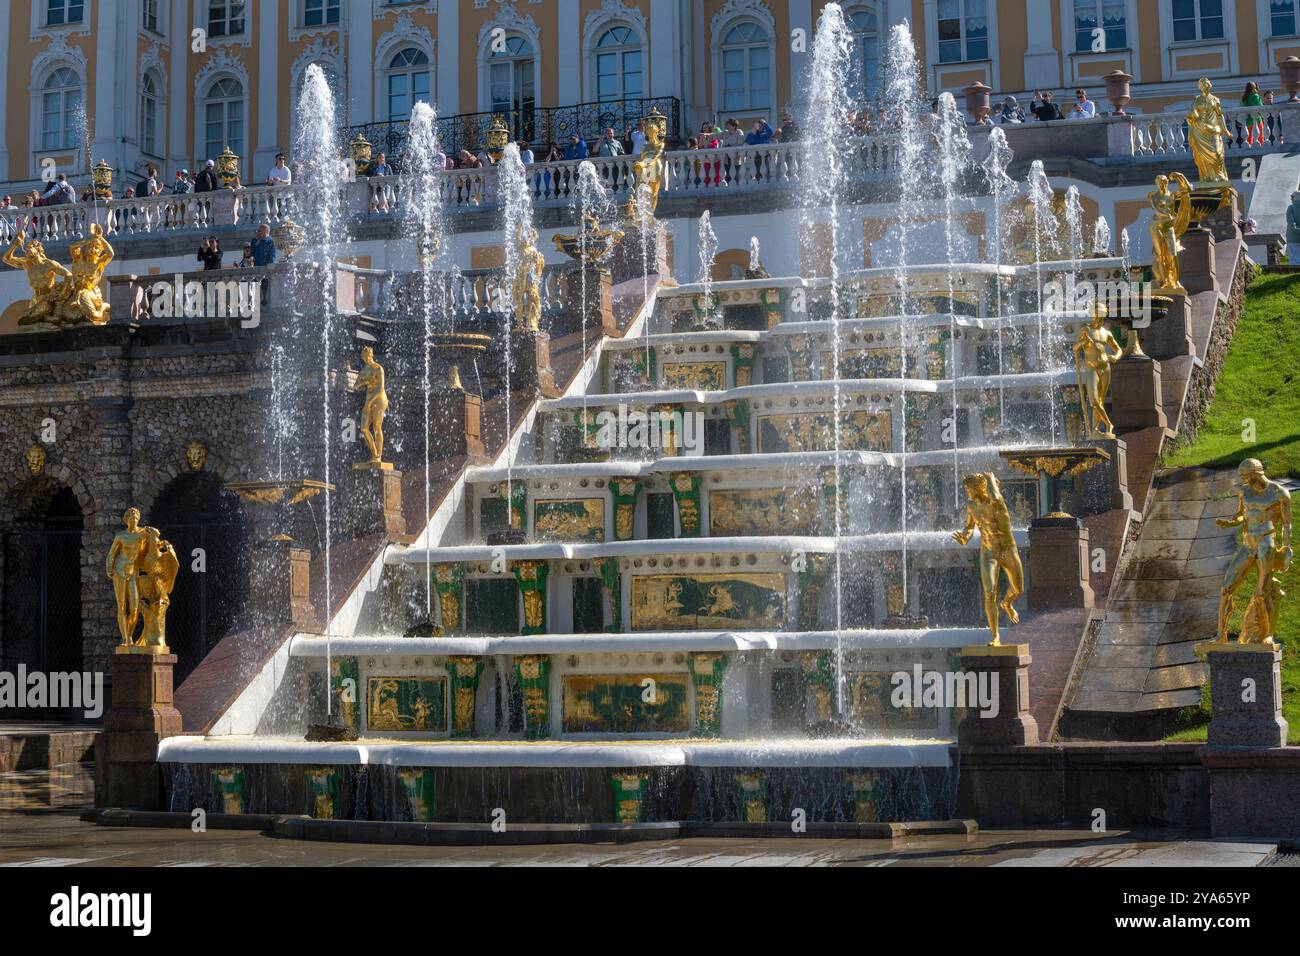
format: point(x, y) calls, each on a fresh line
point(987, 511)
point(1171, 212)
point(1206, 130)
point(47, 278)
point(1264, 516)
point(156, 572)
point(373, 409)
point(1095, 351)
point(120, 565)
point(90, 257)
point(526, 283)
point(648, 169)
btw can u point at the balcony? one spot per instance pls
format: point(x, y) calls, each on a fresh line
point(1131, 142)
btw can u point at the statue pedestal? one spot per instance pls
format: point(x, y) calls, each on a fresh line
point(640, 252)
point(1170, 335)
point(1004, 668)
point(374, 505)
point(225, 207)
point(142, 714)
point(530, 360)
point(1058, 565)
point(1135, 393)
point(280, 582)
point(599, 284)
point(456, 423)
point(1105, 486)
point(1196, 261)
point(1252, 672)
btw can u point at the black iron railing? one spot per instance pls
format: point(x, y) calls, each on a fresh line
point(541, 127)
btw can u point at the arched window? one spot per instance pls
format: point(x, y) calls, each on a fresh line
point(619, 71)
point(60, 104)
point(223, 118)
point(510, 76)
point(866, 51)
point(149, 115)
point(407, 82)
point(746, 68)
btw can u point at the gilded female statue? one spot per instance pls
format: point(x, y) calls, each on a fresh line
point(90, 257)
point(648, 170)
point(156, 571)
point(1205, 132)
point(987, 510)
point(371, 380)
point(526, 284)
point(1264, 517)
point(1171, 212)
point(1095, 351)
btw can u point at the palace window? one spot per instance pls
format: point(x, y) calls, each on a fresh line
point(407, 82)
point(225, 18)
point(149, 15)
point(619, 74)
point(149, 115)
point(1107, 15)
point(1198, 19)
point(963, 31)
point(60, 106)
point(866, 51)
point(1283, 17)
point(223, 118)
point(511, 76)
point(746, 68)
point(61, 12)
point(320, 12)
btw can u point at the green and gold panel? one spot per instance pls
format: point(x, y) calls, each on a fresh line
point(762, 511)
point(617, 704)
point(706, 376)
point(869, 703)
point(864, 363)
point(708, 601)
point(569, 519)
point(815, 431)
point(406, 703)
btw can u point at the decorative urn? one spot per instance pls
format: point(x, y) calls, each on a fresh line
point(102, 176)
point(977, 100)
point(228, 168)
point(1117, 90)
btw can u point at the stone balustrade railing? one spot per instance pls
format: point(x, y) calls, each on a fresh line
point(739, 169)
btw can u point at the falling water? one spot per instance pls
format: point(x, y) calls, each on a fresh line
point(1101, 237)
point(1002, 188)
point(708, 252)
point(594, 207)
point(821, 188)
point(420, 201)
point(516, 215)
point(323, 170)
point(954, 161)
point(908, 115)
point(1045, 232)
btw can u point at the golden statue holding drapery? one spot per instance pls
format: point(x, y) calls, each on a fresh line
point(90, 257)
point(1171, 212)
point(143, 569)
point(526, 283)
point(1095, 351)
point(987, 510)
point(1264, 517)
point(373, 409)
point(649, 168)
point(1206, 131)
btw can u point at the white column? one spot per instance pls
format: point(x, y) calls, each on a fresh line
point(569, 63)
point(447, 94)
point(1042, 61)
point(665, 51)
point(4, 103)
point(104, 114)
point(180, 96)
point(127, 64)
point(272, 93)
point(358, 47)
point(800, 19)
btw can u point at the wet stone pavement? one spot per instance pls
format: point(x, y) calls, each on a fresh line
point(40, 826)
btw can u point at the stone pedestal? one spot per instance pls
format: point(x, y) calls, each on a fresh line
point(599, 309)
point(1196, 261)
point(280, 582)
point(639, 252)
point(1171, 335)
point(1058, 565)
point(530, 360)
point(375, 503)
point(225, 207)
point(1245, 695)
point(1104, 487)
point(456, 417)
point(1135, 393)
point(1004, 669)
point(142, 714)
